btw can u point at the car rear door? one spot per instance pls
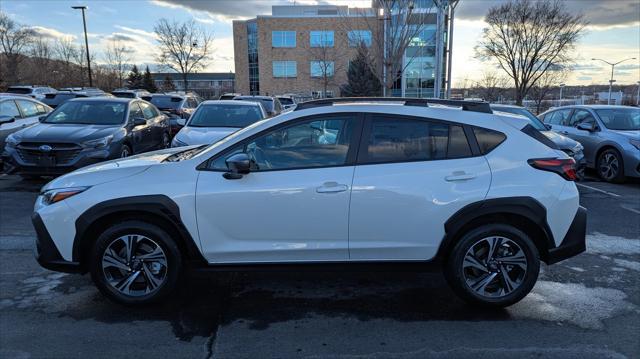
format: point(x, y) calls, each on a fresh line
point(142, 140)
point(154, 124)
point(9, 108)
point(559, 121)
point(293, 206)
point(588, 139)
point(412, 175)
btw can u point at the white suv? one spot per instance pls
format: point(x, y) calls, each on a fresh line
point(338, 181)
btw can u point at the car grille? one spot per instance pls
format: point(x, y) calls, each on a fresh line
point(60, 153)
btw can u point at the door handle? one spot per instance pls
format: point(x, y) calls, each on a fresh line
point(332, 187)
point(460, 176)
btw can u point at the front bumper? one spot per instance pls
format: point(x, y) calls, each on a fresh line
point(46, 252)
point(14, 164)
point(574, 241)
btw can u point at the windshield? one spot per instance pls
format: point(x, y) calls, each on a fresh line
point(622, 119)
point(20, 90)
point(225, 116)
point(267, 103)
point(88, 113)
point(535, 122)
point(164, 102)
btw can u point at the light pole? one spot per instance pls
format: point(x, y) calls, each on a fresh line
point(86, 41)
point(638, 95)
point(611, 81)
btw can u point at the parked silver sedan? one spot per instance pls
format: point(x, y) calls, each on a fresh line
point(610, 136)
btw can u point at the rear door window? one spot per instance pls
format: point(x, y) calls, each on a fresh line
point(9, 108)
point(488, 139)
point(559, 117)
point(28, 108)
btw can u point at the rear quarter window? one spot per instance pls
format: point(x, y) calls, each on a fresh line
point(487, 139)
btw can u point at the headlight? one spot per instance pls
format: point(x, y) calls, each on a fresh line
point(578, 148)
point(635, 143)
point(56, 195)
point(11, 141)
point(99, 143)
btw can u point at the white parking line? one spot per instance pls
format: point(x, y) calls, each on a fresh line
point(599, 190)
point(631, 209)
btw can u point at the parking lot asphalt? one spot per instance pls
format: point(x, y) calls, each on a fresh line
point(584, 307)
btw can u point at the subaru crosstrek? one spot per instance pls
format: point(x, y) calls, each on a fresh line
point(336, 181)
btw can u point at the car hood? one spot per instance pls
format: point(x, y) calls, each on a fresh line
point(113, 170)
point(48, 132)
point(203, 135)
point(563, 142)
point(632, 135)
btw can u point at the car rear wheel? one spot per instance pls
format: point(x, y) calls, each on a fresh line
point(610, 166)
point(135, 262)
point(493, 265)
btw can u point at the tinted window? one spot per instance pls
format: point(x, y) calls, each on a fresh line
point(135, 111)
point(28, 108)
point(124, 94)
point(581, 116)
point(488, 139)
point(283, 38)
point(285, 100)
point(623, 119)
point(560, 117)
point(225, 116)
point(9, 108)
point(314, 143)
point(458, 143)
point(267, 103)
point(392, 140)
point(19, 90)
point(42, 109)
point(90, 113)
point(166, 102)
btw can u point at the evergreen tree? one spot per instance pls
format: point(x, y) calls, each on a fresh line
point(147, 81)
point(134, 79)
point(362, 81)
point(168, 85)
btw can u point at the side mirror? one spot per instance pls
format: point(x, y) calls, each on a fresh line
point(6, 119)
point(238, 164)
point(139, 121)
point(587, 126)
point(181, 121)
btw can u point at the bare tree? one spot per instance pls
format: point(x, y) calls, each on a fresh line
point(491, 86)
point(14, 41)
point(526, 38)
point(545, 85)
point(184, 47)
point(329, 62)
point(396, 26)
point(117, 56)
point(42, 60)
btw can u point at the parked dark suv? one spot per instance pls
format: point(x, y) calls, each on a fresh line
point(84, 131)
point(175, 105)
point(53, 100)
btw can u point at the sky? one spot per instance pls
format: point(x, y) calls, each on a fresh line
point(613, 32)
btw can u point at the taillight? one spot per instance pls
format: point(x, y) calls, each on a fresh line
point(564, 167)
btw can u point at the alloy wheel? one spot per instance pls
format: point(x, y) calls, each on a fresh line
point(134, 265)
point(494, 267)
point(609, 166)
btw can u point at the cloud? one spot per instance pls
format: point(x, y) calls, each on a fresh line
point(116, 36)
point(54, 34)
point(601, 15)
point(137, 31)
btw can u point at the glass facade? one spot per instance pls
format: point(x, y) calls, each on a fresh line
point(285, 69)
point(319, 68)
point(356, 37)
point(252, 42)
point(321, 38)
point(283, 38)
point(419, 60)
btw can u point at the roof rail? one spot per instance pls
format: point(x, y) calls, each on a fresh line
point(473, 106)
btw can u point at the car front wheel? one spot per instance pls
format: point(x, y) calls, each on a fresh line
point(493, 265)
point(610, 166)
point(135, 262)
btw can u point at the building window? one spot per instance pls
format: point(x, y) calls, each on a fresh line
point(283, 38)
point(356, 37)
point(285, 69)
point(321, 39)
point(322, 68)
point(252, 45)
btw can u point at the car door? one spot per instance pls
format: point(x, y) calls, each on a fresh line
point(140, 133)
point(10, 109)
point(411, 176)
point(30, 112)
point(292, 206)
point(559, 121)
point(588, 139)
point(154, 129)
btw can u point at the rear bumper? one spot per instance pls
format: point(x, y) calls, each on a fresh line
point(574, 241)
point(47, 253)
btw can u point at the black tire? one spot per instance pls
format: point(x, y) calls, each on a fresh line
point(125, 151)
point(610, 166)
point(458, 276)
point(147, 233)
point(166, 141)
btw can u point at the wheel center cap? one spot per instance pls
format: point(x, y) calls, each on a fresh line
point(493, 265)
point(136, 264)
